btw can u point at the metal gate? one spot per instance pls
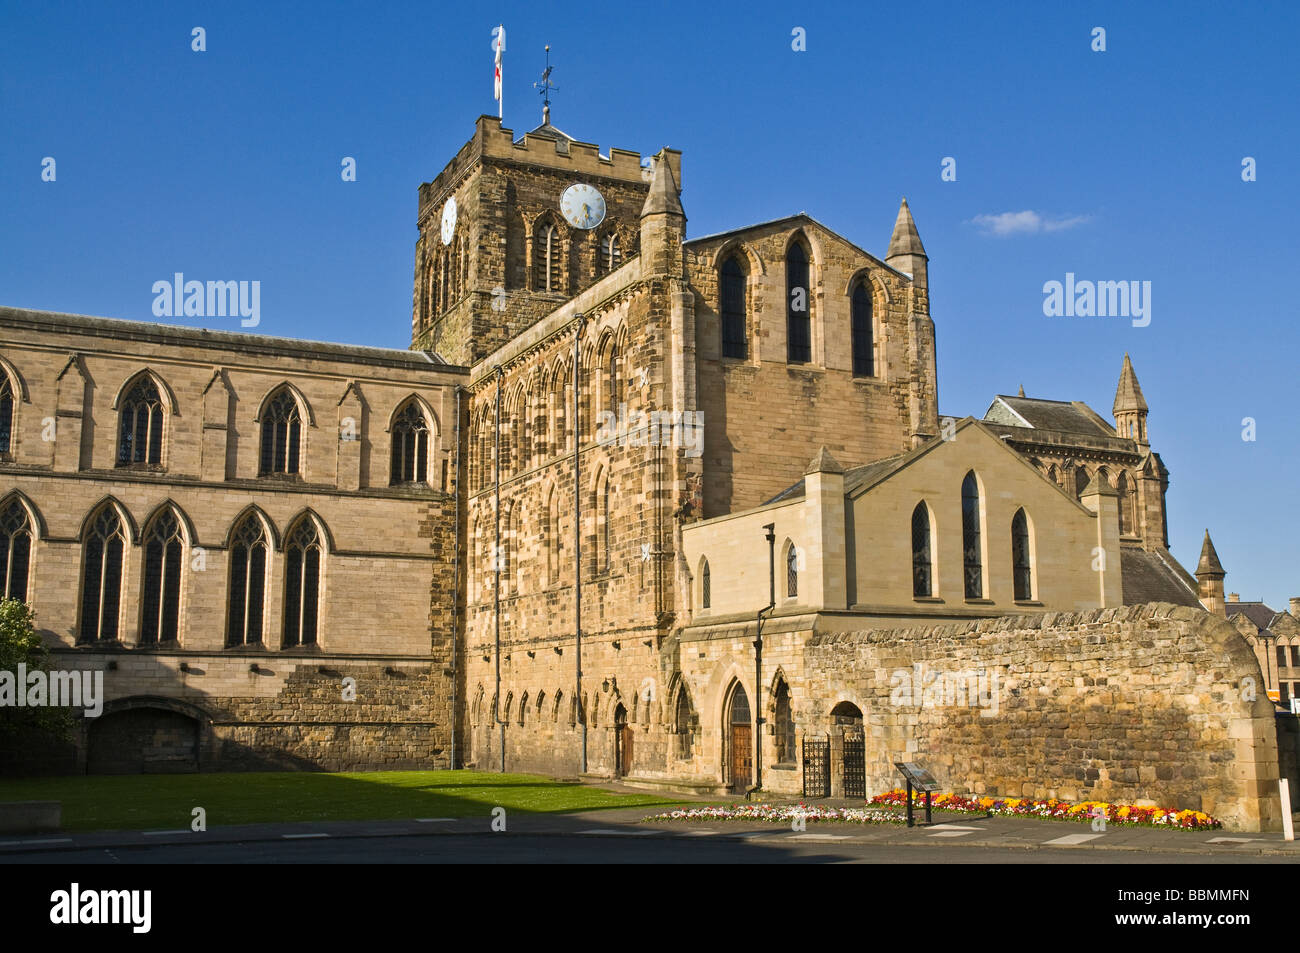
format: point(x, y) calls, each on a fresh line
point(816, 767)
point(855, 767)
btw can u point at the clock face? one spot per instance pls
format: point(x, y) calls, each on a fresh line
point(583, 206)
point(448, 220)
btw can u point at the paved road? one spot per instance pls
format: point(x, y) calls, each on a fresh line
point(526, 848)
point(688, 846)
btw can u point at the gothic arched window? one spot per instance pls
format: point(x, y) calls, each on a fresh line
point(302, 577)
point(783, 729)
point(1022, 570)
point(6, 414)
point(410, 446)
point(972, 559)
point(604, 526)
point(161, 597)
point(547, 258)
point(611, 254)
point(798, 344)
point(731, 307)
point(281, 435)
point(15, 551)
point(553, 539)
point(1081, 481)
point(141, 427)
point(248, 559)
point(706, 586)
point(1127, 505)
point(864, 361)
point(611, 378)
point(684, 717)
point(922, 560)
point(101, 577)
point(792, 571)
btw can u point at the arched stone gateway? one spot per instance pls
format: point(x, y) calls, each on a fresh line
point(143, 740)
point(622, 743)
point(738, 741)
point(848, 750)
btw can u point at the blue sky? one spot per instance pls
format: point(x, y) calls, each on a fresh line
point(225, 164)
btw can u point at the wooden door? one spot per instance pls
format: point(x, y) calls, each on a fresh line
point(624, 750)
point(742, 758)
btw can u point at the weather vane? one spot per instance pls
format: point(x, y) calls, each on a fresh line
point(544, 86)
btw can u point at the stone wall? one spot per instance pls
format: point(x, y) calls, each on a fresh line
point(1139, 704)
point(219, 713)
point(765, 418)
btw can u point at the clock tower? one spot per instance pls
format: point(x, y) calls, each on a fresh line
point(511, 229)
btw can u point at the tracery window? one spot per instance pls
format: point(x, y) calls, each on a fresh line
point(302, 577)
point(247, 602)
point(410, 463)
point(281, 435)
point(161, 596)
point(141, 425)
point(101, 577)
point(15, 551)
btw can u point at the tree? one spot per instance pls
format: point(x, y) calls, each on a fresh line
point(20, 645)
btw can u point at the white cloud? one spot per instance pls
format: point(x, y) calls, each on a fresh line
point(1027, 222)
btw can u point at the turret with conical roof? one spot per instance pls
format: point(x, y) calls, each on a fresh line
point(906, 253)
point(1209, 579)
point(1130, 407)
point(663, 222)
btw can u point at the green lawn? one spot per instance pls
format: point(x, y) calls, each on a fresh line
point(149, 802)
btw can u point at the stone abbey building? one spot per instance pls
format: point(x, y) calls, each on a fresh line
point(679, 510)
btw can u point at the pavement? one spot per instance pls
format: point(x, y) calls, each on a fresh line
point(1003, 834)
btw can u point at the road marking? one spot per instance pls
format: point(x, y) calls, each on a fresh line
point(56, 840)
point(434, 820)
point(697, 833)
point(163, 833)
point(822, 836)
point(10, 843)
point(301, 836)
point(1069, 840)
point(953, 830)
point(610, 830)
point(1232, 840)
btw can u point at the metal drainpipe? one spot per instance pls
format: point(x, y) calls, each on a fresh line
point(759, 720)
point(577, 539)
point(455, 584)
point(496, 566)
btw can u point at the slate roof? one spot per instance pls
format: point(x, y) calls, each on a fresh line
point(244, 342)
point(1259, 614)
point(547, 131)
point(1068, 416)
point(1154, 577)
point(853, 477)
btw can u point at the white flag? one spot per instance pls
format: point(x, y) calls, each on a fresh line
point(499, 44)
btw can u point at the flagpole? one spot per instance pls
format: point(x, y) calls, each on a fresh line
point(501, 73)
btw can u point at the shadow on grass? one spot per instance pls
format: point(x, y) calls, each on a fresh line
point(145, 802)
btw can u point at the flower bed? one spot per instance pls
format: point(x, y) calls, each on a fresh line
point(780, 814)
point(886, 811)
point(1120, 814)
